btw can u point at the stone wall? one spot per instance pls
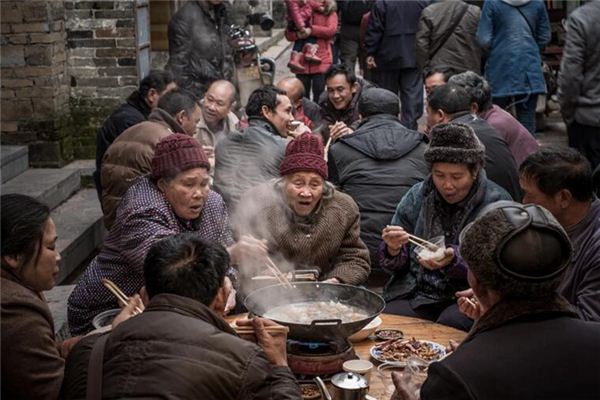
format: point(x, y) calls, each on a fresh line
point(35, 89)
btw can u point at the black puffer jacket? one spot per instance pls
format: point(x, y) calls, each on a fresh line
point(199, 52)
point(376, 165)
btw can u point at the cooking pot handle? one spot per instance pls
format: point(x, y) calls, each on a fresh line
point(326, 322)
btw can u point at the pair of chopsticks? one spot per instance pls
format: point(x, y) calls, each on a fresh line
point(278, 274)
point(417, 241)
point(110, 285)
point(270, 329)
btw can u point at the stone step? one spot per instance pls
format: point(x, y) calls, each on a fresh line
point(14, 160)
point(57, 303)
point(80, 230)
point(49, 185)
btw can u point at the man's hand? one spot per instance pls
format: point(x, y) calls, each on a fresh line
point(404, 389)
point(129, 310)
point(433, 264)
point(371, 62)
point(468, 304)
point(273, 343)
point(394, 237)
point(249, 251)
point(298, 130)
point(338, 130)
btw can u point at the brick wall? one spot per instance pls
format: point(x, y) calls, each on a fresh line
point(35, 87)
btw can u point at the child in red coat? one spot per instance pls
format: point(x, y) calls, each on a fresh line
point(300, 13)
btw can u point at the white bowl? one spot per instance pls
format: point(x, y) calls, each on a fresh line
point(366, 331)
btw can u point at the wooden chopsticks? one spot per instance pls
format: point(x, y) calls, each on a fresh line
point(270, 329)
point(422, 243)
point(110, 285)
point(278, 274)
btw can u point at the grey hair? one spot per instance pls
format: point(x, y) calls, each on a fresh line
point(477, 87)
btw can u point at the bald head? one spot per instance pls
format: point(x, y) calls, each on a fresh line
point(293, 87)
point(218, 101)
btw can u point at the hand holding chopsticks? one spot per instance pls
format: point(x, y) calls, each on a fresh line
point(270, 336)
point(395, 237)
point(123, 299)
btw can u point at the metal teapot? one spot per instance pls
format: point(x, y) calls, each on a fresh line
point(346, 386)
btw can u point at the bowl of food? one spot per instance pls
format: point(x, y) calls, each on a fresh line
point(389, 334)
point(432, 250)
point(366, 331)
point(397, 352)
point(105, 318)
point(310, 391)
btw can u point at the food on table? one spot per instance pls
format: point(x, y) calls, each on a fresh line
point(310, 391)
point(402, 349)
point(389, 334)
point(305, 313)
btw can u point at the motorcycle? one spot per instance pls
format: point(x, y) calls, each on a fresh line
point(251, 70)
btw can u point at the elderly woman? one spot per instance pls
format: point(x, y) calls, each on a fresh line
point(442, 205)
point(175, 198)
point(304, 221)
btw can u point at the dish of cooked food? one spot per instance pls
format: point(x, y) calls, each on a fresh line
point(397, 351)
point(389, 334)
point(310, 391)
point(305, 313)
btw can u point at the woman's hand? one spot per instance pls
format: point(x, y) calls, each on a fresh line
point(394, 237)
point(249, 251)
point(371, 62)
point(129, 310)
point(444, 262)
point(468, 304)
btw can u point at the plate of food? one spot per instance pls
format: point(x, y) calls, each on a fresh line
point(397, 351)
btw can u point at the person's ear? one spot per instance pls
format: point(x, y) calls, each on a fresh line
point(144, 296)
point(13, 262)
point(233, 105)
point(162, 185)
point(220, 301)
point(441, 116)
point(354, 87)
point(152, 97)
point(474, 108)
point(180, 115)
point(266, 112)
point(564, 198)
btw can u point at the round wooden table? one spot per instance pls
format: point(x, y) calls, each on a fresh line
point(380, 385)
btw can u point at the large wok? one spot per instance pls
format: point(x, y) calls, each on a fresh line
point(262, 300)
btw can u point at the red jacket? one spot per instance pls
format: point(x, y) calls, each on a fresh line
point(323, 28)
point(299, 15)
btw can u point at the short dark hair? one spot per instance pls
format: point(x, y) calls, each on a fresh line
point(443, 69)
point(449, 98)
point(557, 168)
point(176, 100)
point(23, 219)
point(375, 101)
point(343, 69)
point(477, 87)
point(263, 96)
point(185, 265)
point(156, 79)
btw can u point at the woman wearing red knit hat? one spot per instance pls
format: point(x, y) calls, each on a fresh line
point(304, 221)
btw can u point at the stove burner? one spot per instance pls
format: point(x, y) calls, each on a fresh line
point(309, 359)
point(317, 348)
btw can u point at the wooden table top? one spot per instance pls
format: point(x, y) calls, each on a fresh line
point(380, 385)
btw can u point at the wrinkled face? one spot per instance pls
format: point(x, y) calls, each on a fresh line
point(189, 121)
point(434, 80)
point(41, 271)
point(187, 192)
point(533, 195)
point(453, 181)
point(217, 103)
point(340, 91)
point(281, 116)
point(304, 191)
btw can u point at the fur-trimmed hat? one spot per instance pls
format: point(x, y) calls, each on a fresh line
point(176, 153)
point(304, 153)
point(454, 143)
point(518, 250)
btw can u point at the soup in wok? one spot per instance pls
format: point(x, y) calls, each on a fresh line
point(306, 312)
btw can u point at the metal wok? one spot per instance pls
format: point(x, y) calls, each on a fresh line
point(262, 300)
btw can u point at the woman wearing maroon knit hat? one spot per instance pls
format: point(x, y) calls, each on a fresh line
point(304, 221)
point(174, 198)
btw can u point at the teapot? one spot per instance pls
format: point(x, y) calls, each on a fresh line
point(346, 386)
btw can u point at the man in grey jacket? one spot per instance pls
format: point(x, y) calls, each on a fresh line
point(579, 81)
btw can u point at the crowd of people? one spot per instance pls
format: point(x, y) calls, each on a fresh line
point(330, 171)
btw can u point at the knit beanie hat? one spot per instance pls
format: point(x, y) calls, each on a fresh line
point(304, 153)
point(518, 250)
point(454, 143)
point(176, 153)
point(378, 101)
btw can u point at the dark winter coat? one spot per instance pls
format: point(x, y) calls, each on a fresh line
point(180, 349)
point(351, 13)
point(376, 165)
point(500, 165)
point(521, 350)
point(132, 112)
point(460, 51)
point(390, 36)
point(199, 51)
point(579, 79)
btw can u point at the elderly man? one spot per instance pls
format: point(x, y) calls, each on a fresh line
point(243, 160)
point(517, 255)
point(304, 109)
point(560, 180)
point(339, 104)
point(218, 119)
point(451, 103)
point(517, 137)
point(187, 350)
point(131, 153)
point(304, 220)
point(377, 163)
point(136, 109)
